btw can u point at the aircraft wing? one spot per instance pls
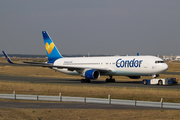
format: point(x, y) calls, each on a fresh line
point(56, 66)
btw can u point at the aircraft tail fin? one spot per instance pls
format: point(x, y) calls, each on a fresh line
point(51, 50)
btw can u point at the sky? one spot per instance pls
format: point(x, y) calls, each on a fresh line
point(110, 27)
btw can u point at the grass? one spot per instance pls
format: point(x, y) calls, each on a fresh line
point(147, 94)
point(87, 114)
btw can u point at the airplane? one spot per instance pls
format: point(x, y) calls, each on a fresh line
point(92, 67)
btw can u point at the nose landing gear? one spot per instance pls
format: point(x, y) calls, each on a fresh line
point(155, 76)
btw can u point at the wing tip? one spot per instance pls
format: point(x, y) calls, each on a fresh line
point(7, 57)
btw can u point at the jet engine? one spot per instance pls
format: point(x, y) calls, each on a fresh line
point(90, 74)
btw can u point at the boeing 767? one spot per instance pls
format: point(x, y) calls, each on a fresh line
point(91, 68)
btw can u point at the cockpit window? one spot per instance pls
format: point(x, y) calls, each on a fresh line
point(159, 61)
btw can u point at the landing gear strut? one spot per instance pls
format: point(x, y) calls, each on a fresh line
point(110, 79)
point(85, 80)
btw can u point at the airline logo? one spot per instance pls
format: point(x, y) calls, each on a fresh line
point(49, 48)
point(128, 63)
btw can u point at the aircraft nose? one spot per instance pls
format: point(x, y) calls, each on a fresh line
point(165, 67)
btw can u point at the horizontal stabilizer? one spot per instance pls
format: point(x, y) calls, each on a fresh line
point(7, 57)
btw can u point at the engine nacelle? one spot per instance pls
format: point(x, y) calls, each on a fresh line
point(134, 77)
point(91, 74)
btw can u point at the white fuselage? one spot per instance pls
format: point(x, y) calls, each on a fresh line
point(118, 65)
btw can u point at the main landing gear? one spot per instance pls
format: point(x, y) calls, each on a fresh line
point(85, 80)
point(110, 79)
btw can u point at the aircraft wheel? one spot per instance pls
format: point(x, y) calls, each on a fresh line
point(145, 82)
point(110, 80)
point(160, 82)
point(107, 80)
point(88, 80)
point(85, 80)
point(82, 80)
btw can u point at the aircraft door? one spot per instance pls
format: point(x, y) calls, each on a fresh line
point(145, 64)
